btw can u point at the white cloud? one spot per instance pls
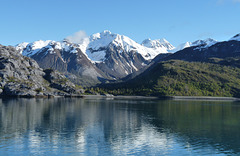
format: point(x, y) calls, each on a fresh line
point(78, 37)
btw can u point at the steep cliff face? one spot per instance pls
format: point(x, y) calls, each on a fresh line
point(120, 63)
point(21, 76)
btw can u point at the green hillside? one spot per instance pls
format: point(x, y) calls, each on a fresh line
point(182, 78)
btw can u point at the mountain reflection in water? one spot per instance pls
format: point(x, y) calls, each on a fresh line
point(65, 126)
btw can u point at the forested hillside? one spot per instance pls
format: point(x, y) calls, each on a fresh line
point(182, 78)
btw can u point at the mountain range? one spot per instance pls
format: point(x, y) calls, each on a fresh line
point(102, 57)
point(114, 63)
point(199, 70)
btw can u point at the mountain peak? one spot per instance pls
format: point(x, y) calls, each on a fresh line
point(207, 42)
point(105, 34)
point(158, 43)
point(199, 44)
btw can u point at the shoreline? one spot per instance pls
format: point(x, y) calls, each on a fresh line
point(120, 97)
point(41, 96)
point(207, 98)
point(213, 98)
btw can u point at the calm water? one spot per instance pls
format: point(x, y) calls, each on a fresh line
point(118, 127)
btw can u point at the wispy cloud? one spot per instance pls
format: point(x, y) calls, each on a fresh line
point(78, 37)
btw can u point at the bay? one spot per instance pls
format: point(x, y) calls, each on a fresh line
point(65, 126)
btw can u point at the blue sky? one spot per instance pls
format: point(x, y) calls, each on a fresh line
point(176, 20)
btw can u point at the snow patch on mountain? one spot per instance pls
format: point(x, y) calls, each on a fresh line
point(182, 46)
point(159, 44)
point(199, 44)
point(204, 43)
point(99, 42)
point(33, 48)
point(21, 46)
point(30, 49)
point(39, 44)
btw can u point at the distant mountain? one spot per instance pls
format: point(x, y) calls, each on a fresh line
point(100, 57)
point(200, 43)
point(203, 51)
point(160, 45)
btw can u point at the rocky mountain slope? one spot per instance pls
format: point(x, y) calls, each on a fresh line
point(21, 76)
point(64, 57)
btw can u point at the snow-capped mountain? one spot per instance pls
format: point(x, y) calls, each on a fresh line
point(31, 49)
point(199, 44)
point(108, 55)
point(205, 43)
point(94, 47)
point(98, 43)
point(208, 50)
point(159, 45)
point(117, 55)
